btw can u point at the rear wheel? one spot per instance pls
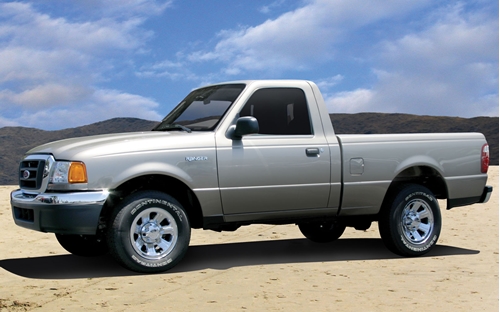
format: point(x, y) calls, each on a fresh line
point(149, 232)
point(83, 245)
point(411, 224)
point(322, 232)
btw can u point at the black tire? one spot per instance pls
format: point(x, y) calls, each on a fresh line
point(322, 232)
point(83, 245)
point(410, 224)
point(149, 232)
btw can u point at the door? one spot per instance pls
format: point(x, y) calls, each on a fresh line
point(283, 167)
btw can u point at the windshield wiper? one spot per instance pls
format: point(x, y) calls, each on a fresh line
point(188, 130)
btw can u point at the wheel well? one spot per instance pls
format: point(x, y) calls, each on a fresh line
point(425, 176)
point(166, 184)
point(422, 175)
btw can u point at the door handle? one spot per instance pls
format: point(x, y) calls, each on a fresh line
point(311, 152)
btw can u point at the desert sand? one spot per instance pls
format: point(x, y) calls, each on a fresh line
point(263, 267)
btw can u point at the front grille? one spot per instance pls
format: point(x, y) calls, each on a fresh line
point(24, 214)
point(31, 174)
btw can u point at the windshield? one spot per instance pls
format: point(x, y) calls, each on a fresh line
point(202, 109)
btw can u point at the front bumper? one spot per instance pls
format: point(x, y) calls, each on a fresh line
point(64, 213)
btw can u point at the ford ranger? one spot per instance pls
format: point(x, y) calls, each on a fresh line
point(240, 153)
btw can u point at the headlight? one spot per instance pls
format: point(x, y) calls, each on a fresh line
point(69, 172)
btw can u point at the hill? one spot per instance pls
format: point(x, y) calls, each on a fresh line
point(377, 123)
point(15, 141)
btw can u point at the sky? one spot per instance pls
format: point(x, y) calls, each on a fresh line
point(65, 64)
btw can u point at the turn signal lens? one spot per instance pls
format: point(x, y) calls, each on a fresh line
point(485, 158)
point(77, 173)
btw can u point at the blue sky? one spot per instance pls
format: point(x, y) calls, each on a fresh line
point(71, 63)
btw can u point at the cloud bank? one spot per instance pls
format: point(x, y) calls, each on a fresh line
point(51, 66)
point(64, 66)
point(424, 57)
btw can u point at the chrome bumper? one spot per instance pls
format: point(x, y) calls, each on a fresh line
point(65, 213)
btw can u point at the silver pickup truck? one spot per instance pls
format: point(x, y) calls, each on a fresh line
point(240, 153)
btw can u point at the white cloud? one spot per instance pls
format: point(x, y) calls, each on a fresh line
point(456, 39)
point(50, 66)
point(45, 96)
point(115, 9)
point(325, 84)
point(26, 27)
point(300, 38)
point(448, 68)
point(100, 105)
point(438, 58)
point(166, 68)
point(421, 56)
point(350, 101)
point(266, 9)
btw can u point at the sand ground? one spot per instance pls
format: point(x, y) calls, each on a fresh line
point(261, 268)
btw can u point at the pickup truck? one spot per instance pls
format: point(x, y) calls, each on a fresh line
point(240, 153)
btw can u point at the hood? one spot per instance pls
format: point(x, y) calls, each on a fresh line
point(124, 143)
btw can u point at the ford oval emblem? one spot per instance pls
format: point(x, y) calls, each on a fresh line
point(26, 174)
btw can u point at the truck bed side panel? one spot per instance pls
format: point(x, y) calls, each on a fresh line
point(371, 162)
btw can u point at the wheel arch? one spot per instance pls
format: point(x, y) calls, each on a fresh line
point(424, 175)
point(157, 182)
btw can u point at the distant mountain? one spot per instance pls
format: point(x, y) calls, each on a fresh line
point(377, 123)
point(15, 141)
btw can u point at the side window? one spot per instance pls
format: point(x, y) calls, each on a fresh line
point(279, 111)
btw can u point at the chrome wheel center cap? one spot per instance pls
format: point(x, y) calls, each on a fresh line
point(412, 221)
point(150, 232)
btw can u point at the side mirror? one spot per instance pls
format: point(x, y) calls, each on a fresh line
point(244, 125)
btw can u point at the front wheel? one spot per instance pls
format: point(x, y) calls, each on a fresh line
point(83, 245)
point(322, 232)
point(149, 232)
point(411, 224)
